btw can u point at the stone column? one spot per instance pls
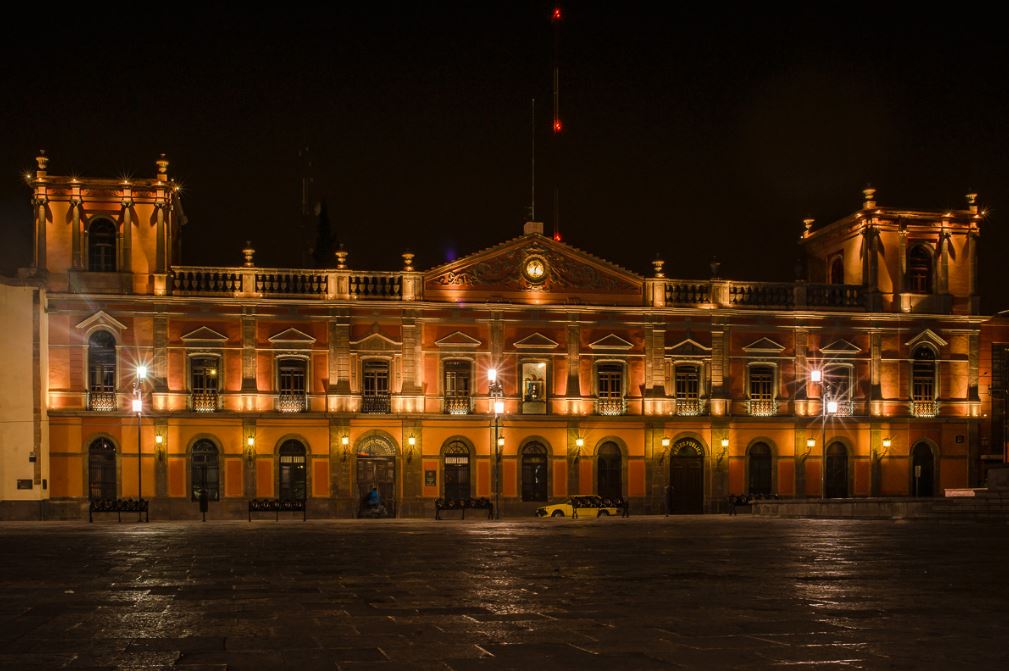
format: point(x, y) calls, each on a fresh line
point(249, 385)
point(875, 368)
point(573, 389)
point(160, 363)
point(75, 231)
point(127, 230)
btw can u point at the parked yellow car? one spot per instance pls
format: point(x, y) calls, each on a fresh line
point(581, 506)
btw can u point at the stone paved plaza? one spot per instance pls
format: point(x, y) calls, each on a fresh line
point(640, 593)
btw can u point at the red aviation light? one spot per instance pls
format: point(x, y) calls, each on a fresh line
point(558, 126)
point(556, 16)
point(557, 237)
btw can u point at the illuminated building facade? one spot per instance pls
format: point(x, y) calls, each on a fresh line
point(862, 380)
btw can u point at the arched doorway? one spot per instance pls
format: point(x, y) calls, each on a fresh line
point(609, 467)
point(534, 472)
point(759, 467)
point(457, 470)
point(836, 474)
point(204, 471)
point(686, 478)
point(102, 469)
point(292, 485)
point(922, 470)
point(376, 467)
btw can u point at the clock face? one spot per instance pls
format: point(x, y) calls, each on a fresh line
point(535, 269)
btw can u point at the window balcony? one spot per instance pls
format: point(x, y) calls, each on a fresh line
point(291, 402)
point(458, 405)
point(205, 401)
point(379, 404)
point(102, 401)
point(762, 407)
point(925, 408)
point(843, 409)
point(611, 406)
point(689, 407)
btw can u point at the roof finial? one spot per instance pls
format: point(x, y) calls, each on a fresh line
point(162, 164)
point(247, 253)
point(407, 261)
point(870, 197)
point(657, 265)
point(808, 223)
point(972, 202)
point(341, 258)
point(42, 160)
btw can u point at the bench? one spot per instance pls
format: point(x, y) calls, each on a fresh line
point(118, 506)
point(276, 506)
point(463, 505)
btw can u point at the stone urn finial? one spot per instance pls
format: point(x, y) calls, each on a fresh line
point(407, 261)
point(972, 202)
point(808, 223)
point(42, 160)
point(341, 258)
point(657, 266)
point(248, 253)
point(869, 193)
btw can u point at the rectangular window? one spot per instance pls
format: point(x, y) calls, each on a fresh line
point(457, 378)
point(291, 376)
point(204, 374)
point(837, 382)
point(688, 382)
point(761, 383)
point(376, 378)
point(610, 380)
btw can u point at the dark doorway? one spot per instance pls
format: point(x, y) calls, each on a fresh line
point(922, 470)
point(760, 470)
point(204, 471)
point(457, 470)
point(836, 476)
point(534, 472)
point(102, 469)
point(376, 467)
point(292, 471)
point(686, 478)
point(609, 469)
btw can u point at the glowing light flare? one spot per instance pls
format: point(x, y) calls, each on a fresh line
point(811, 443)
point(815, 375)
point(556, 15)
point(832, 407)
point(498, 407)
point(725, 443)
point(141, 372)
point(138, 405)
point(492, 375)
point(557, 237)
point(558, 126)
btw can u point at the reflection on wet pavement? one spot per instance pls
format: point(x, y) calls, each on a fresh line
point(644, 593)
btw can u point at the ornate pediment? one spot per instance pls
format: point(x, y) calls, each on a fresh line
point(102, 318)
point(204, 334)
point(376, 342)
point(535, 341)
point(841, 348)
point(292, 337)
point(611, 342)
point(764, 346)
point(688, 347)
point(457, 340)
point(927, 336)
point(532, 265)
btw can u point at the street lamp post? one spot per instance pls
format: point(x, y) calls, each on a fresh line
point(828, 407)
point(496, 394)
point(138, 408)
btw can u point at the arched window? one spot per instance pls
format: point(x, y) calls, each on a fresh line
point(457, 470)
point(923, 375)
point(102, 469)
point(760, 469)
point(102, 246)
point(609, 484)
point(292, 485)
point(919, 269)
point(836, 475)
point(534, 472)
point(837, 270)
point(204, 471)
point(102, 371)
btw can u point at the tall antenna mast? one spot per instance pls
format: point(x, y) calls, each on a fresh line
point(532, 180)
point(555, 18)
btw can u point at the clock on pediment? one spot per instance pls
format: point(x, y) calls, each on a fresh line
point(534, 269)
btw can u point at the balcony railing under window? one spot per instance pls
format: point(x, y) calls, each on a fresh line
point(376, 404)
point(689, 407)
point(458, 405)
point(762, 407)
point(841, 409)
point(925, 408)
point(102, 401)
point(291, 402)
point(611, 406)
point(205, 401)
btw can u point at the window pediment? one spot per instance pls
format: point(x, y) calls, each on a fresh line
point(764, 346)
point(841, 347)
point(611, 342)
point(536, 341)
point(292, 337)
point(927, 336)
point(376, 342)
point(204, 335)
point(102, 318)
point(457, 340)
point(688, 347)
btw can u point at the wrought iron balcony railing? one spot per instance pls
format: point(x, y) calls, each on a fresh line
point(458, 405)
point(102, 401)
point(689, 407)
point(376, 404)
point(925, 408)
point(292, 402)
point(611, 406)
point(842, 409)
point(762, 407)
point(205, 401)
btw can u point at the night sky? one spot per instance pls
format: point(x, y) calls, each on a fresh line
point(689, 132)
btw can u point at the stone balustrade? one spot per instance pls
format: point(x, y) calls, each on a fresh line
point(257, 282)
